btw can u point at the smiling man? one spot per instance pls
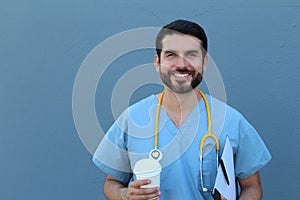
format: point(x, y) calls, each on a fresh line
point(181, 60)
point(181, 63)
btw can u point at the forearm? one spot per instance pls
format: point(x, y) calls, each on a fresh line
point(251, 188)
point(115, 190)
point(251, 193)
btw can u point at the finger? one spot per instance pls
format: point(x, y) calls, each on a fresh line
point(139, 183)
point(149, 196)
point(222, 198)
point(144, 191)
point(139, 196)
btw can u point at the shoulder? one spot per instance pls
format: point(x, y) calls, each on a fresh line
point(139, 112)
point(227, 119)
point(220, 107)
point(143, 104)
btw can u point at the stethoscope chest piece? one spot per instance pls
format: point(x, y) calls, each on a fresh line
point(155, 154)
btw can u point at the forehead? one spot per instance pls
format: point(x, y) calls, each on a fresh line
point(180, 42)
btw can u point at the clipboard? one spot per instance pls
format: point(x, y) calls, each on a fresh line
point(225, 183)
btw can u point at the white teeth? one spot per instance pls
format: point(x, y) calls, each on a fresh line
point(181, 75)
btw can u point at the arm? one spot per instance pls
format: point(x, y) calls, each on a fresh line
point(116, 190)
point(251, 188)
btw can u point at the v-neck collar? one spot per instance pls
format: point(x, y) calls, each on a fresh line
point(171, 125)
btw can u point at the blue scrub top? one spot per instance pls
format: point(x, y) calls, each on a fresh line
point(131, 138)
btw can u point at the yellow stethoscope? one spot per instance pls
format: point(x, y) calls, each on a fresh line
point(157, 154)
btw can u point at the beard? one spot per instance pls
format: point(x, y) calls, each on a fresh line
point(181, 86)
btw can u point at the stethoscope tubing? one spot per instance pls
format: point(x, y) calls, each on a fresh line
point(209, 134)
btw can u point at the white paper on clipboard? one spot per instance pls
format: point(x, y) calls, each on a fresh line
point(226, 190)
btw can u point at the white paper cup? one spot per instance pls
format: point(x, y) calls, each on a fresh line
point(148, 169)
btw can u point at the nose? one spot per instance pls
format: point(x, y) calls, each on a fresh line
point(181, 62)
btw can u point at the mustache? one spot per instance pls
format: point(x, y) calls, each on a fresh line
point(184, 70)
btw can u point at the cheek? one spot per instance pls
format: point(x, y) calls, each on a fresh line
point(165, 66)
point(197, 65)
point(194, 62)
point(170, 61)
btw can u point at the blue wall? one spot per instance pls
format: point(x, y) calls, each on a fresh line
point(42, 44)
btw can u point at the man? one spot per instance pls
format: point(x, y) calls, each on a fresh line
point(181, 61)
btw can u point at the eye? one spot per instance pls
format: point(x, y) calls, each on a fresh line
point(169, 55)
point(192, 55)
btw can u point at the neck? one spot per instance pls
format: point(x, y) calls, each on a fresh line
point(178, 106)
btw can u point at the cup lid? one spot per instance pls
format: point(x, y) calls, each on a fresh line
point(147, 166)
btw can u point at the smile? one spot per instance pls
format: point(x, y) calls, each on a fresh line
point(181, 75)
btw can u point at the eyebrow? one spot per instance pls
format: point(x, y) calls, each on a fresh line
point(169, 51)
point(187, 52)
point(193, 51)
point(174, 51)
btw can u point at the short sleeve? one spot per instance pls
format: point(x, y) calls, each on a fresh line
point(111, 155)
point(252, 154)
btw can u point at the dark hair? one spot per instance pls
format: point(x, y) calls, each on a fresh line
point(181, 27)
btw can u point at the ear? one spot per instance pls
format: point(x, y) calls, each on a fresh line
point(156, 62)
point(205, 62)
